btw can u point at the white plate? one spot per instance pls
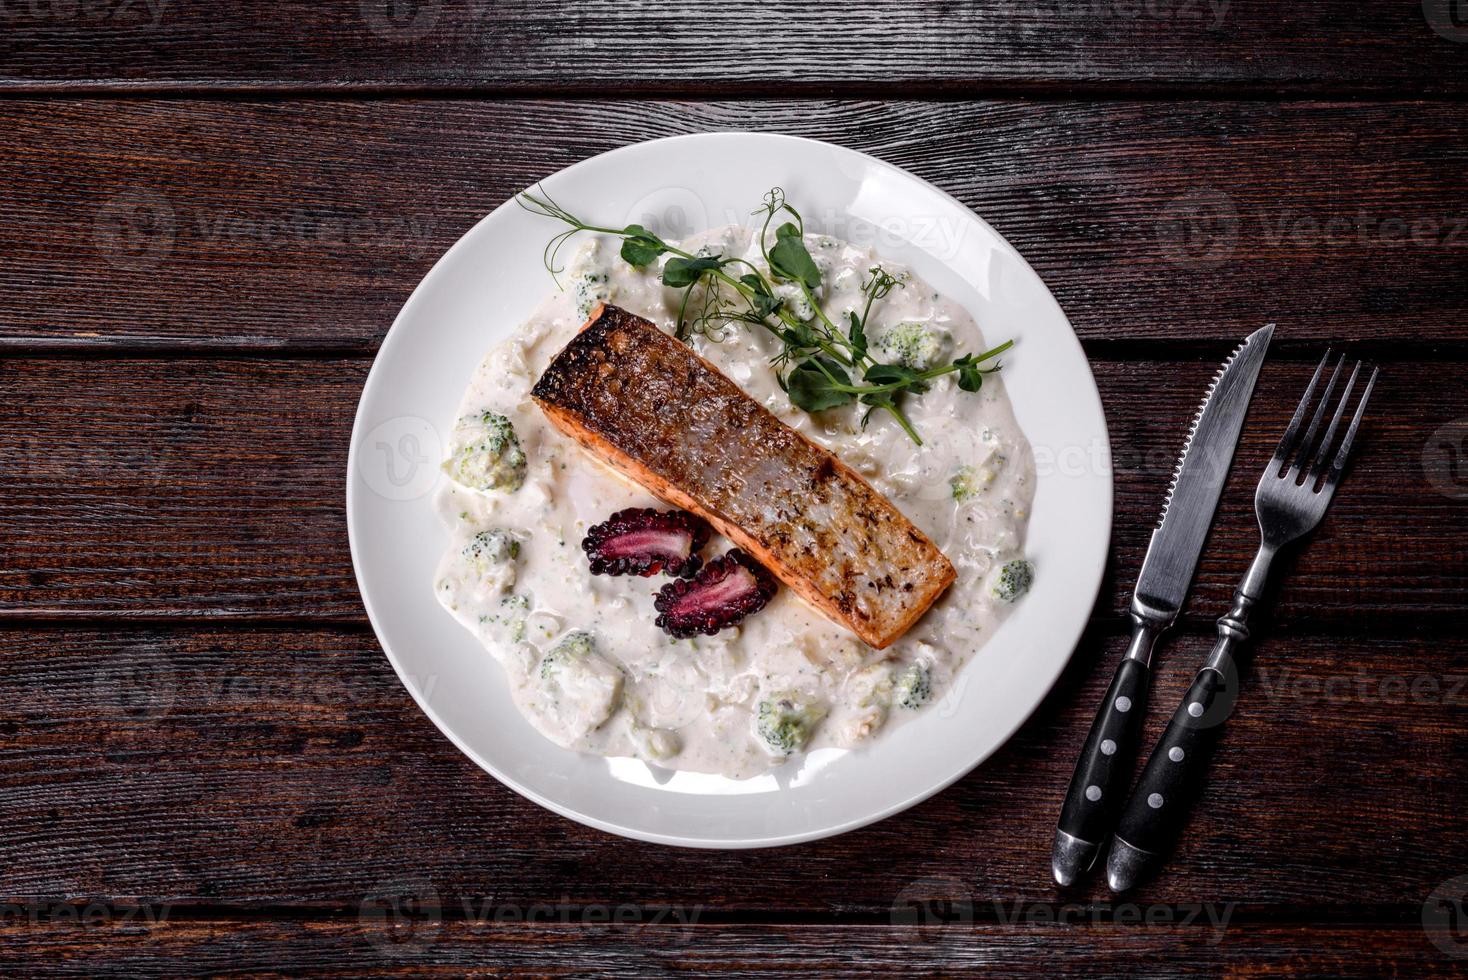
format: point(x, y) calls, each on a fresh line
point(492, 279)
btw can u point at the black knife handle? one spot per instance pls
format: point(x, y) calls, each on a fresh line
point(1105, 764)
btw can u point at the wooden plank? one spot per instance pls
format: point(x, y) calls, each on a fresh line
point(595, 46)
point(591, 946)
point(155, 487)
point(188, 487)
point(307, 224)
point(221, 767)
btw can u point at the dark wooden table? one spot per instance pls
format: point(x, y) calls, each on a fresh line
point(211, 213)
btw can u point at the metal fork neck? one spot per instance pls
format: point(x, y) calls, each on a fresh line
point(1233, 626)
point(1258, 573)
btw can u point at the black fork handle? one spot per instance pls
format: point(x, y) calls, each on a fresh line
point(1171, 782)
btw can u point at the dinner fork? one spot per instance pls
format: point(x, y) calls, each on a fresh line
point(1293, 494)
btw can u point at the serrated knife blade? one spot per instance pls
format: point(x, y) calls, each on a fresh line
point(1089, 810)
point(1197, 483)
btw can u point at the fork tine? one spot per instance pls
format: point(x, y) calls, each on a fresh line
point(1328, 440)
point(1336, 468)
point(1287, 444)
point(1307, 443)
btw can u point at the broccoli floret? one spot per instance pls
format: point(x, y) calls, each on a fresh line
point(970, 481)
point(794, 299)
point(871, 686)
point(868, 695)
point(513, 610)
point(509, 621)
point(577, 646)
point(965, 484)
point(974, 478)
point(656, 743)
point(1013, 580)
point(485, 453)
point(784, 723)
point(913, 345)
point(592, 288)
point(579, 689)
point(489, 559)
point(913, 687)
point(490, 548)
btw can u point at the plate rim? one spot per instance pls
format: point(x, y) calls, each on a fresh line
point(394, 335)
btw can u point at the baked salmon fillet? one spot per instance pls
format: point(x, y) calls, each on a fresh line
point(649, 407)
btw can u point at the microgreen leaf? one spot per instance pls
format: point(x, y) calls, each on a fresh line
point(887, 374)
point(679, 272)
point(764, 302)
point(825, 356)
point(970, 378)
point(857, 334)
point(875, 402)
point(800, 335)
point(810, 385)
point(904, 378)
point(790, 260)
point(641, 246)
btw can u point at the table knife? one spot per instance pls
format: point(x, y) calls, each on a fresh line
point(1105, 763)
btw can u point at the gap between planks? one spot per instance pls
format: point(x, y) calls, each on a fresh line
point(907, 90)
point(1119, 350)
point(1081, 913)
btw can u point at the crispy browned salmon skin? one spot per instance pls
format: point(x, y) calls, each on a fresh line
point(646, 405)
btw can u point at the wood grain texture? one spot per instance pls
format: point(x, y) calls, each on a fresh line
point(185, 488)
point(346, 947)
point(170, 485)
point(305, 225)
point(194, 715)
point(288, 767)
point(600, 46)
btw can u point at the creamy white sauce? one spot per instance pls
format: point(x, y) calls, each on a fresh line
point(694, 704)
